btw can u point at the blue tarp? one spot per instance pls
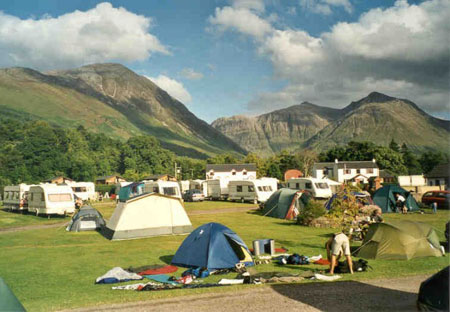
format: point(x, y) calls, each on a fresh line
point(212, 246)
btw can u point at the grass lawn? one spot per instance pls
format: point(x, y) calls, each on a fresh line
point(15, 219)
point(51, 269)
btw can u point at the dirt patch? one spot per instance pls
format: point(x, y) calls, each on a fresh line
point(397, 294)
point(34, 227)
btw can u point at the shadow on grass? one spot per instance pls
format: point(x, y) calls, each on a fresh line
point(337, 296)
point(167, 259)
point(255, 212)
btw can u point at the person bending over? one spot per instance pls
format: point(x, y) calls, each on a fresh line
point(337, 245)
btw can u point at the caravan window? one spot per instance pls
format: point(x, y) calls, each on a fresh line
point(155, 189)
point(267, 188)
point(251, 188)
point(297, 185)
point(308, 185)
point(260, 188)
point(239, 188)
point(79, 189)
point(16, 195)
point(321, 185)
point(170, 191)
point(59, 197)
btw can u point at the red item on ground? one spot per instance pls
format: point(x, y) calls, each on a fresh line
point(185, 279)
point(277, 250)
point(163, 270)
point(322, 262)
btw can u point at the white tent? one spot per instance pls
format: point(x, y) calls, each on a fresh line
point(147, 215)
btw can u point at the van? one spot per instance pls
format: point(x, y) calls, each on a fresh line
point(51, 199)
point(318, 188)
point(168, 188)
point(15, 197)
point(217, 189)
point(255, 191)
point(84, 190)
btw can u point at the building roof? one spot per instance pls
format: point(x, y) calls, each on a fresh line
point(158, 176)
point(57, 177)
point(386, 174)
point(108, 177)
point(440, 171)
point(347, 164)
point(230, 167)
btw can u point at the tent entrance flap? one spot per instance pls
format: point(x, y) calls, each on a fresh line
point(240, 251)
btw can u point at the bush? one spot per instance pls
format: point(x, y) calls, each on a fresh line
point(313, 210)
point(103, 188)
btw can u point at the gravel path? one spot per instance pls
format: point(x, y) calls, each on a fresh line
point(398, 294)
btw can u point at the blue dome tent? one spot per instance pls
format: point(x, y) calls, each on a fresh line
point(212, 246)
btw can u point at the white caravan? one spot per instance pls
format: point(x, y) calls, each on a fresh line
point(51, 199)
point(318, 188)
point(15, 197)
point(217, 189)
point(255, 191)
point(199, 185)
point(168, 188)
point(84, 190)
point(184, 186)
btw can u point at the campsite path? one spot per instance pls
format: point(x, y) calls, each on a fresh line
point(223, 210)
point(398, 294)
point(33, 227)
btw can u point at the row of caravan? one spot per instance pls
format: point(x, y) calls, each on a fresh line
point(40, 199)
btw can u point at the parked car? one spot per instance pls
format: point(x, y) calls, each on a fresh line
point(193, 195)
point(442, 198)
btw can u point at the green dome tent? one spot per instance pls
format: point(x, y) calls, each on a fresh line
point(400, 240)
point(385, 198)
point(8, 301)
point(285, 204)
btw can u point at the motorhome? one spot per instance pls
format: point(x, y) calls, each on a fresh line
point(199, 185)
point(15, 197)
point(217, 189)
point(318, 188)
point(51, 199)
point(169, 188)
point(84, 190)
point(255, 191)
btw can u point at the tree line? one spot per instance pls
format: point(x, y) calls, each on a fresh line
point(33, 151)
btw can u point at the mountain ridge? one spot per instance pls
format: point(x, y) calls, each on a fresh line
point(376, 117)
point(135, 105)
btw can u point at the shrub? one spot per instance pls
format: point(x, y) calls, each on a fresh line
point(312, 210)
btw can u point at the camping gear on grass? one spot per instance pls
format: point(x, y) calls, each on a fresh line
point(358, 266)
point(146, 215)
point(385, 198)
point(8, 301)
point(433, 292)
point(400, 240)
point(263, 246)
point(161, 270)
point(117, 275)
point(161, 278)
point(285, 204)
point(212, 246)
point(86, 219)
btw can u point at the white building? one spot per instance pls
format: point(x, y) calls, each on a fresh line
point(231, 172)
point(411, 180)
point(343, 171)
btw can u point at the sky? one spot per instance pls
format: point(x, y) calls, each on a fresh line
point(245, 57)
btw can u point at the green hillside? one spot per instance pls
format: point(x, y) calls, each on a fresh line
point(134, 106)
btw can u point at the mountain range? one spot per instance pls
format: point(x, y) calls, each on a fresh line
point(111, 99)
point(377, 118)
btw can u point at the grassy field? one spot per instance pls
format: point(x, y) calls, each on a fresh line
point(51, 269)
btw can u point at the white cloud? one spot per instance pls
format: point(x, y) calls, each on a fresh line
point(101, 34)
point(191, 74)
point(241, 20)
point(402, 51)
point(256, 5)
point(173, 87)
point(325, 6)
